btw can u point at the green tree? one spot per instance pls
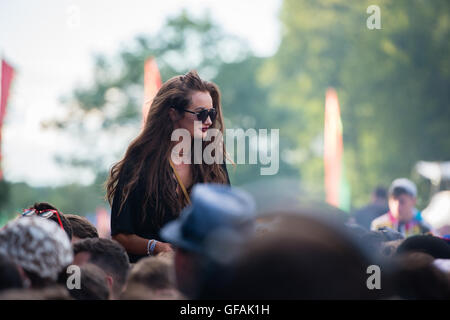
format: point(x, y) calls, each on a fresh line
point(392, 85)
point(109, 109)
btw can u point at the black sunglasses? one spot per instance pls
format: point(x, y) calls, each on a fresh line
point(203, 115)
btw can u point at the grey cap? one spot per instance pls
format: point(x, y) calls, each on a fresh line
point(404, 183)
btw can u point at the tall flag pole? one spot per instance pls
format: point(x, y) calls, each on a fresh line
point(6, 76)
point(336, 187)
point(152, 83)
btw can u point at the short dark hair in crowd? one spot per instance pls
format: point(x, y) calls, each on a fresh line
point(108, 255)
point(93, 284)
point(380, 192)
point(81, 227)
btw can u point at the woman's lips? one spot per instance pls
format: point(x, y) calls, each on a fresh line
point(204, 129)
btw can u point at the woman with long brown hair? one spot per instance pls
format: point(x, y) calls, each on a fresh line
point(146, 189)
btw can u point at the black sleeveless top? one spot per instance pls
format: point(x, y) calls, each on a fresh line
point(129, 221)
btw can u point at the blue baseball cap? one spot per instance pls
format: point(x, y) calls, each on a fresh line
point(218, 218)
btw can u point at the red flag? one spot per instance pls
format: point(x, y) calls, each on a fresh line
point(152, 83)
point(6, 76)
point(332, 148)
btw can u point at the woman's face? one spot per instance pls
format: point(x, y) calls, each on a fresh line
point(199, 101)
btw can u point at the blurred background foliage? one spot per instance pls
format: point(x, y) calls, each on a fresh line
point(392, 86)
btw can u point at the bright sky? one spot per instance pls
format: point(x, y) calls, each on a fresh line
point(50, 43)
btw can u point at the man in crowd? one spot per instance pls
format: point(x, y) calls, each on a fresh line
point(402, 215)
point(107, 254)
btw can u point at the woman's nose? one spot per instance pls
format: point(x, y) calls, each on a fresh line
point(208, 121)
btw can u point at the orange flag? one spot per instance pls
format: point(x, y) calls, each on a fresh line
point(6, 76)
point(152, 83)
point(333, 152)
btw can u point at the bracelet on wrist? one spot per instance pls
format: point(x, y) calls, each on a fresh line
point(152, 247)
point(151, 244)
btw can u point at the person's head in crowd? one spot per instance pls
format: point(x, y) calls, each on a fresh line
point(389, 248)
point(10, 277)
point(53, 292)
point(416, 277)
point(156, 275)
point(434, 246)
point(402, 216)
point(93, 284)
point(40, 248)
point(138, 291)
point(402, 199)
point(208, 233)
point(109, 255)
point(379, 195)
point(81, 227)
point(48, 211)
point(154, 272)
point(302, 257)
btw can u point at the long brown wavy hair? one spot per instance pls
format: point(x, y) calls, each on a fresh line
point(146, 160)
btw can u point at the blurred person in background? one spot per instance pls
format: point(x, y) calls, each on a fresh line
point(93, 284)
point(416, 277)
point(208, 235)
point(154, 274)
point(81, 227)
point(302, 257)
point(39, 247)
point(402, 216)
point(107, 254)
point(146, 189)
point(378, 206)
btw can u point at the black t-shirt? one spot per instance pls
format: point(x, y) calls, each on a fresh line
point(129, 220)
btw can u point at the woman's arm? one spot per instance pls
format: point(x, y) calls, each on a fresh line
point(137, 245)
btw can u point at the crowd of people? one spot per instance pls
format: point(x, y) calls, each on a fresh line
point(222, 247)
point(180, 231)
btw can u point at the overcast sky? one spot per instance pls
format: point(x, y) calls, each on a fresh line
point(50, 43)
